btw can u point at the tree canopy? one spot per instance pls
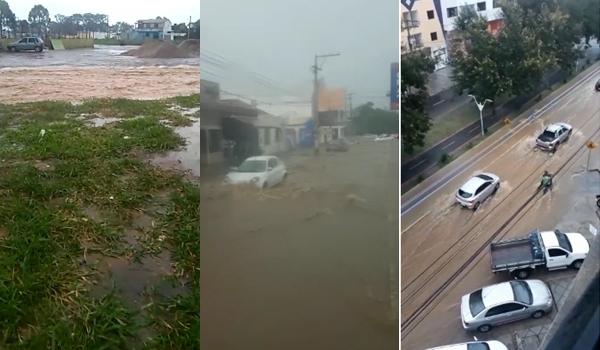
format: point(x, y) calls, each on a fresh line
point(416, 68)
point(39, 18)
point(370, 120)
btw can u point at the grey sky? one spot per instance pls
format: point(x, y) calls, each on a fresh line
point(117, 10)
point(278, 39)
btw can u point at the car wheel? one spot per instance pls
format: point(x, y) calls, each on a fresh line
point(538, 314)
point(38, 49)
point(496, 188)
point(265, 185)
point(521, 274)
point(475, 206)
point(484, 329)
point(577, 264)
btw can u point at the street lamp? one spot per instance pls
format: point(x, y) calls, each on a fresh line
point(480, 106)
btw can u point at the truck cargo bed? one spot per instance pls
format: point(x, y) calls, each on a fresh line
point(515, 253)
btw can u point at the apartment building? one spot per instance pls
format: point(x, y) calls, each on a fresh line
point(422, 29)
point(490, 9)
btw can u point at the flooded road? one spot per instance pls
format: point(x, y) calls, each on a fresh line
point(75, 75)
point(309, 264)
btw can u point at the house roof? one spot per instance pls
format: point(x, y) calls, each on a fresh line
point(162, 20)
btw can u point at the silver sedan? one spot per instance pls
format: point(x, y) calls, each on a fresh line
point(504, 303)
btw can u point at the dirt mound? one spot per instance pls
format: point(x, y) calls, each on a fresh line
point(164, 49)
point(191, 45)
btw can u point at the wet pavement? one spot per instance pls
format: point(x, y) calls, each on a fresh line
point(432, 287)
point(308, 264)
point(99, 56)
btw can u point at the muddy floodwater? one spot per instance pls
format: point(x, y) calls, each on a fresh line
point(308, 264)
point(75, 75)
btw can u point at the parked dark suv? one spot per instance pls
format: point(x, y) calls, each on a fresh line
point(28, 43)
point(598, 85)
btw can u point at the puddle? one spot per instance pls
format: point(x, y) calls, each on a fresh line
point(142, 221)
point(133, 280)
point(186, 159)
point(101, 121)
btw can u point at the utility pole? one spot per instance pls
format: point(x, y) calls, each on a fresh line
point(189, 27)
point(315, 100)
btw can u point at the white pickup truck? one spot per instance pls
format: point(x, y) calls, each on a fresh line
point(552, 249)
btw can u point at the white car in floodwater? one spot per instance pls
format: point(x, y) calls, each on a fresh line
point(260, 171)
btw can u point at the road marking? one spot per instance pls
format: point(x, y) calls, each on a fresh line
point(438, 184)
point(416, 221)
point(448, 145)
point(438, 102)
point(475, 128)
point(416, 165)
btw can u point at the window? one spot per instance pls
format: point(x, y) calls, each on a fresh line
point(430, 14)
point(495, 4)
point(214, 140)
point(476, 303)
point(481, 6)
point(522, 292)
point(503, 309)
point(32, 40)
point(267, 136)
point(556, 252)
point(482, 187)
point(409, 19)
point(477, 346)
point(433, 36)
point(272, 163)
point(23, 40)
point(451, 12)
point(563, 241)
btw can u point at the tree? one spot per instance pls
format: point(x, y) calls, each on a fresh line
point(121, 27)
point(584, 16)
point(370, 120)
point(180, 28)
point(7, 18)
point(477, 58)
point(39, 17)
point(416, 68)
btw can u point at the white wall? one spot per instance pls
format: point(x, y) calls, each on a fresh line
point(490, 12)
point(274, 146)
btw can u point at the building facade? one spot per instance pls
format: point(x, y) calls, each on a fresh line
point(153, 29)
point(422, 29)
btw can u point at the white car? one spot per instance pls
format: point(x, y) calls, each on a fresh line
point(384, 138)
point(261, 171)
point(503, 303)
point(474, 345)
point(477, 189)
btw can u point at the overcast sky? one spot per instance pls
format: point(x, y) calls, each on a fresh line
point(264, 48)
point(117, 10)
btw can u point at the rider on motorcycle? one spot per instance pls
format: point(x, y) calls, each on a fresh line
point(546, 182)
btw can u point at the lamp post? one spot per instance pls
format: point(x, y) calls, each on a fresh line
point(480, 107)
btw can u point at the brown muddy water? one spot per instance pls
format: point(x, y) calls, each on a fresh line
point(75, 75)
point(308, 264)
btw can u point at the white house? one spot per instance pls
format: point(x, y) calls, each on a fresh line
point(271, 137)
point(489, 9)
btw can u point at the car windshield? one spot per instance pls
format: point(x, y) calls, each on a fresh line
point(464, 194)
point(478, 346)
point(563, 241)
point(252, 166)
point(476, 303)
point(522, 292)
point(484, 177)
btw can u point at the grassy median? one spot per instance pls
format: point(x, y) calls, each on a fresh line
point(86, 223)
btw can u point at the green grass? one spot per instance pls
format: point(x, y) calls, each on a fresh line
point(46, 182)
point(190, 101)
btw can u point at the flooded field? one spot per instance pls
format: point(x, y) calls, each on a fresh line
point(75, 75)
point(310, 263)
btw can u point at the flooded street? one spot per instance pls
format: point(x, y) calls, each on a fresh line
point(308, 264)
point(75, 75)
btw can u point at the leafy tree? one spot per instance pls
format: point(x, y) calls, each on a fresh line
point(413, 93)
point(370, 120)
point(121, 27)
point(477, 58)
point(584, 16)
point(180, 28)
point(39, 17)
point(7, 18)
